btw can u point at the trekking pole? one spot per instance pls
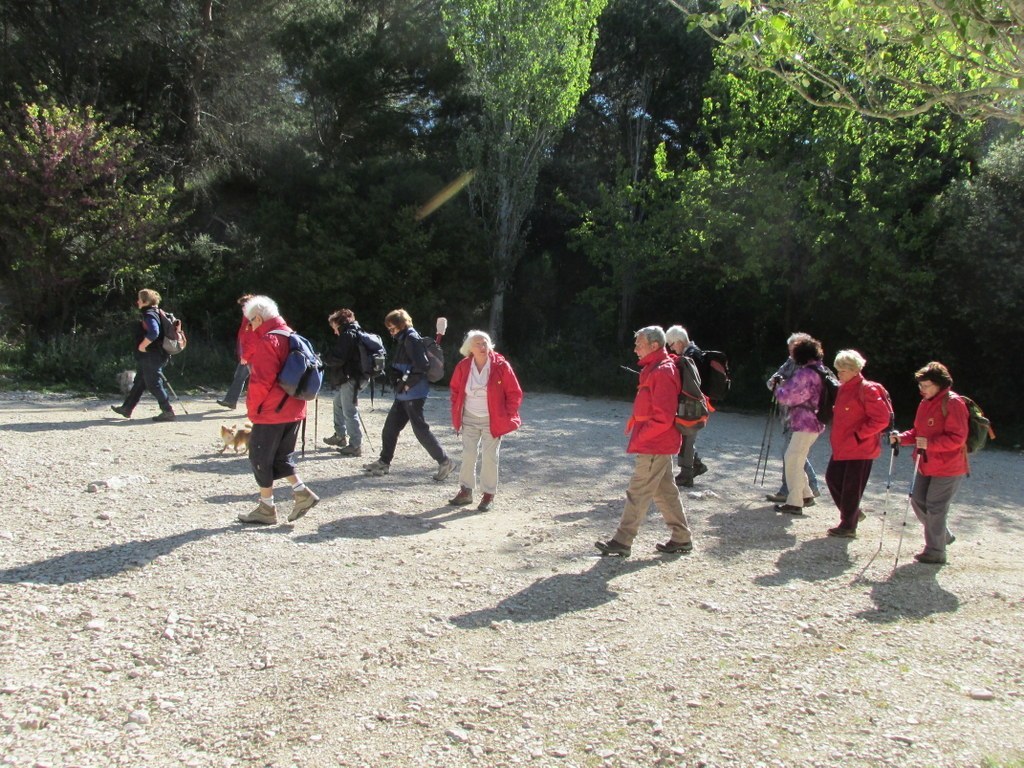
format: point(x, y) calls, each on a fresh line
point(762, 457)
point(168, 385)
point(917, 465)
point(316, 422)
point(885, 512)
point(366, 435)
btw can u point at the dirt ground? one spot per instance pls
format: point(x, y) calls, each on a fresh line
point(140, 625)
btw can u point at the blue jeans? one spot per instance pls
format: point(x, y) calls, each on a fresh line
point(346, 412)
point(148, 377)
point(237, 384)
point(812, 478)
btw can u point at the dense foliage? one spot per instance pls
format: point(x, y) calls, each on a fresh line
point(640, 173)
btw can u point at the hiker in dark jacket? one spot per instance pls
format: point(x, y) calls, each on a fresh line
point(690, 465)
point(241, 377)
point(345, 374)
point(408, 373)
point(150, 359)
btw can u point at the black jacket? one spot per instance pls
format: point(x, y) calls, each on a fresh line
point(342, 359)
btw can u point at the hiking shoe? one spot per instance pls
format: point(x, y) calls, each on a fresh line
point(950, 539)
point(612, 547)
point(351, 450)
point(462, 498)
point(338, 441)
point(304, 501)
point(164, 416)
point(842, 533)
point(776, 498)
point(374, 465)
point(485, 502)
point(226, 404)
point(262, 515)
point(120, 410)
point(789, 509)
point(809, 501)
point(861, 517)
point(815, 492)
point(444, 469)
point(925, 557)
point(379, 469)
point(675, 547)
point(685, 479)
point(699, 467)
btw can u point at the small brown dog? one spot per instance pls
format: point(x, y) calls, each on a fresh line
point(235, 437)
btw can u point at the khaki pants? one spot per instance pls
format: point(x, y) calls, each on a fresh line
point(652, 481)
point(478, 440)
point(796, 458)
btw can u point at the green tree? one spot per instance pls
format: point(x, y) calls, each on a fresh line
point(889, 58)
point(79, 213)
point(528, 62)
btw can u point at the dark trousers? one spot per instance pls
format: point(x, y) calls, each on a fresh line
point(270, 451)
point(847, 480)
point(408, 412)
point(237, 384)
point(148, 377)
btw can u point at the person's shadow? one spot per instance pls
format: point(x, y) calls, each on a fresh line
point(910, 592)
point(814, 560)
point(554, 596)
point(102, 563)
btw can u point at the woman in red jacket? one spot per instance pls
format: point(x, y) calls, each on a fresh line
point(485, 397)
point(940, 439)
point(275, 415)
point(860, 415)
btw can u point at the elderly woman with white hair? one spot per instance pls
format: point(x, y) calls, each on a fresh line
point(678, 342)
point(860, 415)
point(485, 400)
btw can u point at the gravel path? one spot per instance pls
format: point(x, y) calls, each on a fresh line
point(141, 626)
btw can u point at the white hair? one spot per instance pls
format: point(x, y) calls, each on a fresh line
point(677, 333)
point(850, 360)
point(263, 306)
point(467, 344)
point(653, 333)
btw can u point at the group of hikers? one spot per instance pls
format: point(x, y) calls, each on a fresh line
point(485, 398)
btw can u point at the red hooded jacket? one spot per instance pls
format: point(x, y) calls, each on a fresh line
point(504, 395)
point(946, 454)
point(265, 352)
point(652, 426)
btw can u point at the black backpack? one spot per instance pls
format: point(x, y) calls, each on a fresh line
point(827, 398)
point(372, 355)
point(713, 367)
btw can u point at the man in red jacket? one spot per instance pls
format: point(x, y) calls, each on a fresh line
point(275, 416)
point(654, 439)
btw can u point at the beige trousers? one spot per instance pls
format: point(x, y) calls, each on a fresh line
point(652, 481)
point(478, 441)
point(796, 477)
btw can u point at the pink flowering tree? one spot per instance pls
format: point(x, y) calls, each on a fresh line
point(79, 214)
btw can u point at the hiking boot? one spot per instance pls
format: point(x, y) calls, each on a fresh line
point(776, 498)
point(226, 404)
point(338, 441)
point(685, 479)
point(351, 450)
point(262, 515)
point(485, 502)
point(675, 547)
point(462, 498)
point(699, 467)
point(305, 500)
point(612, 547)
point(120, 410)
point(925, 557)
point(789, 509)
point(164, 416)
point(444, 469)
point(842, 533)
point(809, 501)
point(377, 468)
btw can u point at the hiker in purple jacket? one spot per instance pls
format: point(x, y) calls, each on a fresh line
point(800, 394)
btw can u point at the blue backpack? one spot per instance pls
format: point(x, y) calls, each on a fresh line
point(302, 374)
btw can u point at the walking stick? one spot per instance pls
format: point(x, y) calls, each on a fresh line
point(168, 385)
point(762, 457)
point(316, 422)
point(366, 435)
point(917, 465)
point(885, 511)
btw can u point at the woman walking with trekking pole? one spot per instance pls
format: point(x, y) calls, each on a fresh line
point(939, 435)
point(860, 415)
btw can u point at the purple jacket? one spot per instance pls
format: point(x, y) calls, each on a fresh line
point(801, 394)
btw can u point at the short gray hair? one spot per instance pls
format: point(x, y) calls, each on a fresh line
point(798, 336)
point(677, 333)
point(467, 344)
point(850, 360)
point(264, 306)
point(653, 333)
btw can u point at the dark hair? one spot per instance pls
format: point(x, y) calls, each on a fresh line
point(936, 373)
point(340, 316)
point(807, 351)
